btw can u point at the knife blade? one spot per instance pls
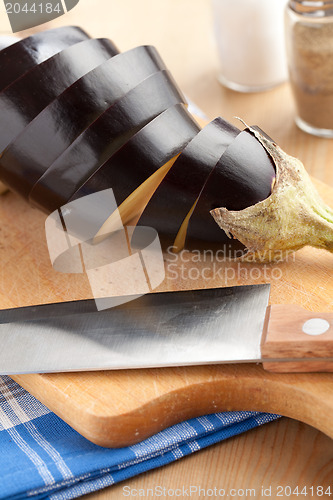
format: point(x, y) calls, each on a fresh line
point(206, 326)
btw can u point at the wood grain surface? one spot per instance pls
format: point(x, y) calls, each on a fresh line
point(286, 452)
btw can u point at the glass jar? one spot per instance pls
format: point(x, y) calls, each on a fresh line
point(250, 42)
point(309, 41)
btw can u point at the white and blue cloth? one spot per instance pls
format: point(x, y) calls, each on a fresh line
point(43, 457)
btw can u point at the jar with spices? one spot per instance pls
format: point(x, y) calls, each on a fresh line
point(309, 41)
point(250, 43)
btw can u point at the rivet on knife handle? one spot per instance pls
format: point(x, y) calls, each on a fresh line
point(294, 333)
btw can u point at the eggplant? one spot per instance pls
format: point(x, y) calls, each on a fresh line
point(182, 185)
point(254, 191)
point(22, 101)
point(26, 159)
point(143, 155)
point(291, 217)
point(149, 149)
point(242, 177)
point(103, 138)
point(20, 57)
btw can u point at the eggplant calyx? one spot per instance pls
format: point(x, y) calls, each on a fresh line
point(293, 216)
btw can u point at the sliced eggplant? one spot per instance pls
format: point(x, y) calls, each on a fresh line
point(103, 138)
point(264, 191)
point(26, 159)
point(132, 207)
point(159, 142)
point(23, 55)
point(183, 183)
point(242, 177)
point(22, 101)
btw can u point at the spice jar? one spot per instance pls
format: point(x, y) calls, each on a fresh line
point(250, 42)
point(309, 40)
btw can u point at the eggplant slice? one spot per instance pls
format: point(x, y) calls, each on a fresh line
point(103, 138)
point(20, 57)
point(183, 183)
point(22, 101)
point(242, 177)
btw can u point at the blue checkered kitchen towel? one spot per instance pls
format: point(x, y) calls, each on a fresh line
point(43, 457)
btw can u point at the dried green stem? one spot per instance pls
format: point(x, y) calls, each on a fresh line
point(292, 217)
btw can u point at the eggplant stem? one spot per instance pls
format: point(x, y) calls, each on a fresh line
point(293, 216)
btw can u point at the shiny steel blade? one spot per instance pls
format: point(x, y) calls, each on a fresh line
point(219, 325)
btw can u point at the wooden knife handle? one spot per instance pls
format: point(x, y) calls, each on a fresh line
point(293, 332)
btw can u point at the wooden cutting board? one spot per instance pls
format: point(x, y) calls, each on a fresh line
point(121, 408)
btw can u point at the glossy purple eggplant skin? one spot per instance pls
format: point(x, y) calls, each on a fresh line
point(26, 159)
point(25, 54)
point(182, 185)
point(8, 40)
point(22, 101)
point(103, 138)
point(147, 151)
point(242, 177)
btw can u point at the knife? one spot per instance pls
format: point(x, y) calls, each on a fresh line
point(206, 326)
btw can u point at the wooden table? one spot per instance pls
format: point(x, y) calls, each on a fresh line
point(285, 453)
